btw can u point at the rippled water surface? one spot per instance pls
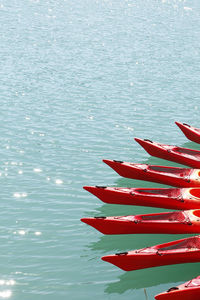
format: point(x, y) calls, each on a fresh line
point(79, 80)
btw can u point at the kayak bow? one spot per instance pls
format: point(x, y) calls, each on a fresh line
point(178, 222)
point(185, 156)
point(176, 252)
point(192, 133)
point(189, 290)
point(171, 198)
point(175, 176)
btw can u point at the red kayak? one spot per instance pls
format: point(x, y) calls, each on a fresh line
point(192, 133)
point(189, 290)
point(175, 176)
point(177, 252)
point(177, 154)
point(171, 198)
point(177, 222)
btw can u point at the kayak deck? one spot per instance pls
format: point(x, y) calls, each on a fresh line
point(192, 133)
point(175, 176)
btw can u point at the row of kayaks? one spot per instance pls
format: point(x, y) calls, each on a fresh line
point(184, 197)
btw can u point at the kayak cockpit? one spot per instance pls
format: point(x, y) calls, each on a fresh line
point(182, 172)
point(190, 244)
point(190, 152)
point(166, 217)
point(165, 192)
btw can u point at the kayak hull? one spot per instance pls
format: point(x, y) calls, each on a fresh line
point(188, 291)
point(176, 252)
point(174, 176)
point(171, 198)
point(192, 133)
point(176, 154)
point(160, 223)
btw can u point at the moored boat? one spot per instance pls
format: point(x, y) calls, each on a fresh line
point(171, 198)
point(192, 133)
point(176, 252)
point(177, 222)
point(175, 176)
point(185, 156)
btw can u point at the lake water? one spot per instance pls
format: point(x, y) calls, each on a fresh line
point(78, 81)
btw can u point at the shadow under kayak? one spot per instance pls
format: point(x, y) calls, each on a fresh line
point(176, 252)
point(172, 198)
point(177, 222)
point(192, 133)
point(189, 290)
point(185, 156)
point(175, 176)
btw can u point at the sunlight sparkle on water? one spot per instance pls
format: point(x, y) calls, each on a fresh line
point(20, 195)
point(7, 282)
point(5, 294)
point(37, 170)
point(22, 232)
point(58, 181)
point(187, 8)
point(38, 233)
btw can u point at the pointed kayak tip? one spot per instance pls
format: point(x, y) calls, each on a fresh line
point(137, 139)
point(182, 125)
point(142, 142)
point(83, 220)
point(112, 163)
point(89, 188)
point(88, 221)
point(97, 223)
point(107, 258)
point(100, 192)
point(114, 259)
point(107, 161)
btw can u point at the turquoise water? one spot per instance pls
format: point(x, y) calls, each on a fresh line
point(79, 80)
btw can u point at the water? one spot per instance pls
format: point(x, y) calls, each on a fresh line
point(79, 80)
